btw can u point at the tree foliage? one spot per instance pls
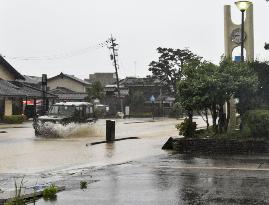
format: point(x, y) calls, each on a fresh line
point(168, 68)
point(207, 87)
point(260, 98)
point(96, 91)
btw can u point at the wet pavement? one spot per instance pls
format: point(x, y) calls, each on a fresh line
point(130, 172)
point(45, 160)
point(174, 179)
point(22, 152)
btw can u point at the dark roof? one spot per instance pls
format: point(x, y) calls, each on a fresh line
point(7, 89)
point(19, 90)
point(66, 94)
point(72, 96)
point(31, 79)
point(61, 90)
point(72, 77)
point(32, 92)
point(10, 68)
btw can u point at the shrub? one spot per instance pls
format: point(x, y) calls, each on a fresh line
point(255, 123)
point(176, 111)
point(14, 119)
point(187, 128)
point(83, 185)
point(50, 192)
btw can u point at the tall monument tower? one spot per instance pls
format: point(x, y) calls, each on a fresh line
point(232, 39)
point(232, 33)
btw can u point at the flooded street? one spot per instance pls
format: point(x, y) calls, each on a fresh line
point(132, 171)
point(22, 152)
point(174, 179)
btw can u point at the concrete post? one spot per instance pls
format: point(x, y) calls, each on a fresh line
point(249, 29)
point(8, 107)
point(110, 130)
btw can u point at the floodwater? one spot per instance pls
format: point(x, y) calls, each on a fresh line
point(133, 171)
point(22, 152)
point(171, 179)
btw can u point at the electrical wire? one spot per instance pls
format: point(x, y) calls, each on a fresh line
point(62, 55)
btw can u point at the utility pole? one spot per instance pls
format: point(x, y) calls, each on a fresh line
point(113, 57)
point(44, 94)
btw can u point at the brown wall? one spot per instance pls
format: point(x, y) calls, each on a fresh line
point(5, 74)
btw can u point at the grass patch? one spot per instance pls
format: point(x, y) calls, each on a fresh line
point(50, 192)
point(17, 199)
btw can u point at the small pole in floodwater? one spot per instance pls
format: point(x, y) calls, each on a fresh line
point(110, 130)
point(152, 100)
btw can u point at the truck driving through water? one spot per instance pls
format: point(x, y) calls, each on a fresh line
point(64, 113)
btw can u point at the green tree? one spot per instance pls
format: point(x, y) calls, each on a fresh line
point(260, 98)
point(168, 68)
point(96, 91)
point(195, 91)
point(207, 87)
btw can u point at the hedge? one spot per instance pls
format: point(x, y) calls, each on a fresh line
point(14, 119)
point(255, 124)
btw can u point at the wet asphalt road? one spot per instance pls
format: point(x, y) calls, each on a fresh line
point(22, 152)
point(174, 179)
point(132, 171)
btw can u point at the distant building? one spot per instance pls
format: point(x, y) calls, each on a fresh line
point(14, 92)
point(66, 95)
point(131, 86)
point(7, 90)
point(104, 78)
point(34, 81)
point(68, 81)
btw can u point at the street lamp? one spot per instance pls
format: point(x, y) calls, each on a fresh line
point(243, 6)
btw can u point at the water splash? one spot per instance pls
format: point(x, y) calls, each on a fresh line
point(52, 130)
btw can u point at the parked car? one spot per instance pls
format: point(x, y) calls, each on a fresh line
point(64, 113)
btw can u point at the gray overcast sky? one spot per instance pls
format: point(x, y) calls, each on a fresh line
point(49, 27)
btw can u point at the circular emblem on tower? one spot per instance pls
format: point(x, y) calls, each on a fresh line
point(236, 36)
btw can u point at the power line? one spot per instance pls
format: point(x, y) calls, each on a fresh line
point(61, 55)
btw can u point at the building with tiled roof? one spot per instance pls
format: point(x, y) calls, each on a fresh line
point(15, 90)
point(7, 90)
point(68, 81)
point(67, 95)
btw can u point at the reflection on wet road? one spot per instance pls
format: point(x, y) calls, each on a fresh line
point(158, 180)
point(131, 171)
